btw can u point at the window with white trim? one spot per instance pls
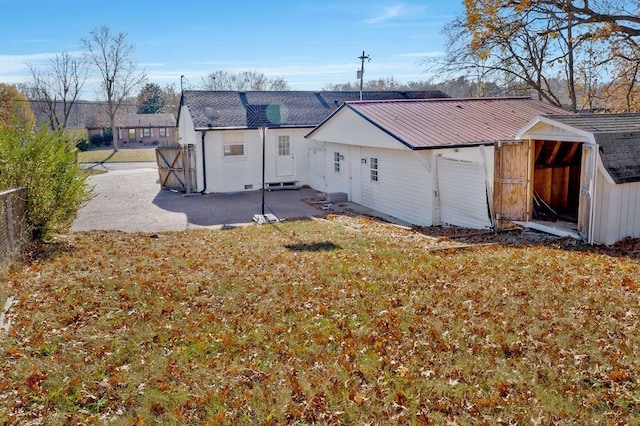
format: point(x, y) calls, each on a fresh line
point(373, 169)
point(336, 162)
point(233, 144)
point(284, 145)
point(162, 132)
point(147, 133)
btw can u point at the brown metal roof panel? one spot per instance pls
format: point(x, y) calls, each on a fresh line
point(433, 123)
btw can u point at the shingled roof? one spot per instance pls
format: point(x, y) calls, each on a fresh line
point(133, 121)
point(280, 108)
point(617, 135)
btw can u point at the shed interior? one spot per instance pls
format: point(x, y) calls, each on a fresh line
point(556, 180)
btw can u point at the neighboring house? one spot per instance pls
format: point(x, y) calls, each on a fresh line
point(427, 162)
point(225, 129)
point(138, 128)
point(585, 167)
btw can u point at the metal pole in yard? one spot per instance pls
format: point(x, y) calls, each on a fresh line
point(264, 133)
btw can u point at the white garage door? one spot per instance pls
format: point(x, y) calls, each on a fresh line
point(463, 193)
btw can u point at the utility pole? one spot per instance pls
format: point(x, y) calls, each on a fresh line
point(361, 70)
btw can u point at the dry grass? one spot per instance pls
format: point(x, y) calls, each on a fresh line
point(343, 321)
point(107, 155)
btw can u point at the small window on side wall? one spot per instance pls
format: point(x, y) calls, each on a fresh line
point(233, 145)
point(374, 169)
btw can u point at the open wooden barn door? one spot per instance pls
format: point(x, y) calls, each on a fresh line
point(512, 177)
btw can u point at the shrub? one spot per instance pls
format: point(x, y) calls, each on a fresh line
point(83, 145)
point(45, 163)
point(107, 137)
point(96, 140)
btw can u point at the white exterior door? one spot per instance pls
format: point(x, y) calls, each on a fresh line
point(284, 156)
point(463, 193)
point(356, 174)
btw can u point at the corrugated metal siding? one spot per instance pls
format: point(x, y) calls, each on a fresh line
point(404, 188)
point(463, 193)
point(433, 123)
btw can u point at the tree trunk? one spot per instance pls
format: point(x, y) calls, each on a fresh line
point(114, 134)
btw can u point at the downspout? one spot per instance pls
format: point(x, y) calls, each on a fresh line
point(204, 164)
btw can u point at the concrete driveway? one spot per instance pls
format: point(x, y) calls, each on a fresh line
point(128, 198)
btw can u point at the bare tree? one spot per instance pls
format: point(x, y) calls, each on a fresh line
point(58, 87)
point(245, 80)
point(536, 44)
point(119, 75)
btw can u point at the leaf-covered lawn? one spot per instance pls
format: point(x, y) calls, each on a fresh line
point(339, 321)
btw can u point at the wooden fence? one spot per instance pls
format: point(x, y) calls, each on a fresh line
point(13, 223)
point(177, 167)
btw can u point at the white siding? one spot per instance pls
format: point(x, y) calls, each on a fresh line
point(244, 173)
point(405, 185)
point(349, 128)
point(462, 193)
point(317, 169)
point(189, 136)
point(617, 211)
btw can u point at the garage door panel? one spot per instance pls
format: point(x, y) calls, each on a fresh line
point(463, 193)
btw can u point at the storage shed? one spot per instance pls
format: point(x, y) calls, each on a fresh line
point(426, 162)
point(572, 175)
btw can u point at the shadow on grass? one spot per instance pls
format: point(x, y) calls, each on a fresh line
point(319, 246)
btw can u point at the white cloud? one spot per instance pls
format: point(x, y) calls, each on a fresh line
point(393, 11)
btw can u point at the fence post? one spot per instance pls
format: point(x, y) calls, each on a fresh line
point(10, 229)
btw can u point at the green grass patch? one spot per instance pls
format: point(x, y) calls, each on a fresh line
point(387, 327)
point(122, 155)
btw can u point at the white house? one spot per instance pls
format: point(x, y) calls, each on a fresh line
point(229, 130)
point(585, 167)
point(427, 162)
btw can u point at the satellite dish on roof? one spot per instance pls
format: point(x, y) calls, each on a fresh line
point(212, 114)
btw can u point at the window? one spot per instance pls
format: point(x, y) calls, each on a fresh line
point(374, 169)
point(284, 145)
point(120, 134)
point(233, 144)
point(336, 162)
point(163, 132)
point(147, 133)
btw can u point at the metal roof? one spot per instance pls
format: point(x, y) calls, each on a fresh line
point(438, 123)
point(294, 108)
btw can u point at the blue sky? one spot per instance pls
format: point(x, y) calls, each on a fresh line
point(308, 43)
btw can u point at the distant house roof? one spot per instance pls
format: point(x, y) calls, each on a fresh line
point(617, 135)
point(279, 108)
point(132, 121)
point(439, 123)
